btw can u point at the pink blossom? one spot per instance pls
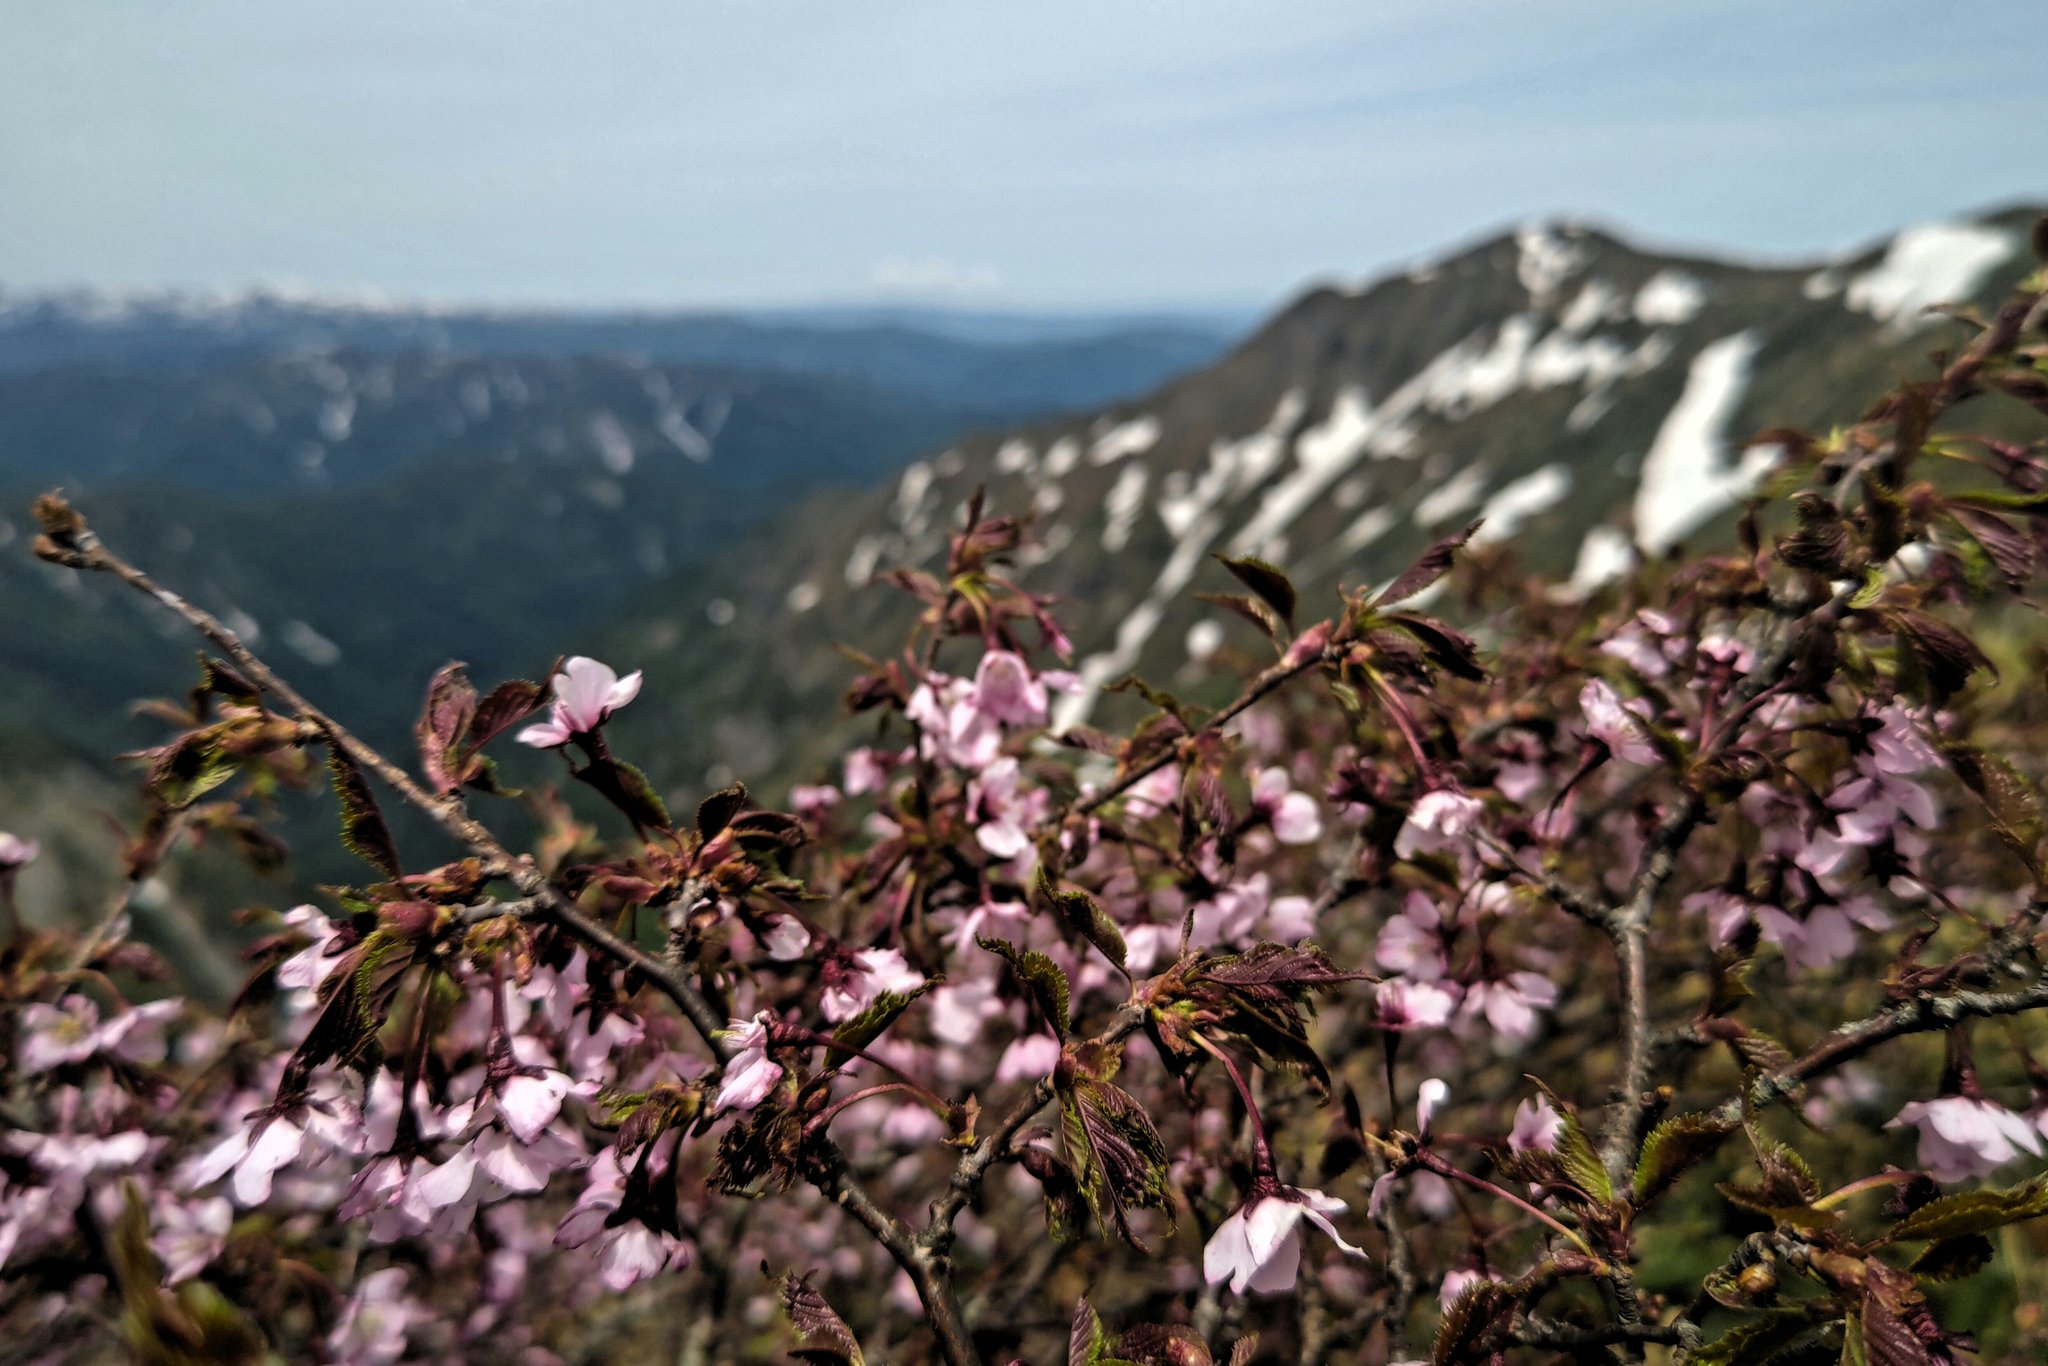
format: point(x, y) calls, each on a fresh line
point(1293, 815)
point(1510, 1005)
point(586, 693)
point(17, 851)
point(1259, 1246)
point(1030, 1058)
point(1536, 1126)
point(372, 1328)
point(1005, 691)
point(961, 1010)
point(189, 1234)
point(1962, 1137)
point(627, 1250)
point(254, 1154)
point(1637, 644)
point(813, 800)
point(1897, 747)
point(1432, 1093)
point(1004, 811)
point(867, 770)
point(784, 938)
point(1440, 819)
point(851, 986)
point(1726, 912)
point(749, 1074)
point(1826, 935)
point(1412, 943)
point(1614, 725)
point(1399, 1004)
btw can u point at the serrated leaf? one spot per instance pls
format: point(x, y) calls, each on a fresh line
point(1041, 977)
point(1980, 1211)
point(1118, 1159)
point(1576, 1158)
point(190, 768)
point(1450, 650)
point(1268, 581)
point(503, 708)
point(1432, 565)
point(1953, 1259)
point(1759, 1201)
point(1250, 608)
point(1079, 914)
point(220, 678)
point(362, 824)
point(626, 788)
point(445, 720)
point(1754, 1341)
point(1944, 657)
point(2011, 799)
point(1672, 1149)
point(875, 1019)
point(716, 811)
point(823, 1335)
point(1086, 1340)
point(1474, 1324)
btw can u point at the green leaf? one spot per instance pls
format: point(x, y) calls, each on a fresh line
point(1575, 1155)
point(1267, 580)
point(1086, 1340)
point(1474, 1324)
point(1078, 914)
point(1041, 977)
point(1118, 1159)
point(190, 768)
point(864, 1028)
point(2012, 800)
point(1953, 1259)
point(1980, 1211)
point(626, 788)
point(1672, 1149)
point(362, 824)
point(1754, 1341)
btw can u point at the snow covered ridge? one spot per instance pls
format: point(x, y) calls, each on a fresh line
point(1935, 263)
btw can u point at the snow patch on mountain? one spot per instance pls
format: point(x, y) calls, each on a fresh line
point(1547, 259)
point(1516, 502)
point(1126, 500)
point(1446, 501)
point(1670, 297)
point(1134, 437)
point(1934, 263)
point(1605, 555)
point(1598, 302)
point(1688, 476)
point(1191, 511)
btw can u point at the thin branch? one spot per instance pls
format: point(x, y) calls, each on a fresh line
point(82, 549)
point(1255, 691)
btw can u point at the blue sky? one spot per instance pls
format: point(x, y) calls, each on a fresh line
point(1057, 154)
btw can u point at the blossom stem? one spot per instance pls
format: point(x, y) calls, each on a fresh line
point(1262, 1149)
point(1442, 1168)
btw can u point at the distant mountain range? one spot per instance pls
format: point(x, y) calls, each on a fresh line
point(367, 492)
point(1590, 400)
